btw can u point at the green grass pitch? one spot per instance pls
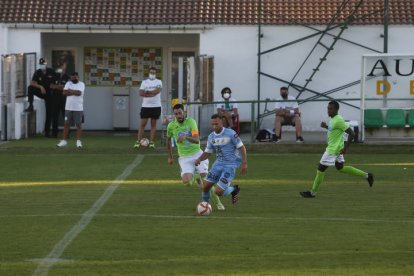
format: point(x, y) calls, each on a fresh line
point(148, 224)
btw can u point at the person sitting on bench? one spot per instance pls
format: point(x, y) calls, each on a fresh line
point(287, 113)
point(229, 109)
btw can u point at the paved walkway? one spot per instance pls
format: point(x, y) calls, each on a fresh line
point(319, 137)
point(289, 137)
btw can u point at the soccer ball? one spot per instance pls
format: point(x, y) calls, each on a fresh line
point(144, 142)
point(204, 209)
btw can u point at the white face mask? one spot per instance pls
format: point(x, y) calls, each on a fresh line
point(59, 71)
point(226, 96)
point(42, 67)
point(151, 76)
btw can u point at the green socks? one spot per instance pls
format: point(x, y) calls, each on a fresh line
point(346, 169)
point(318, 180)
point(215, 197)
point(353, 171)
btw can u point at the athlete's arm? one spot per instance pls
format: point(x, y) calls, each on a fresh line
point(280, 112)
point(243, 167)
point(203, 157)
point(70, 92)
point(296, 111)
point(35, 84)
point(351, 135)
point(154, 92)
point(193, 139)
point(57, 86)
point(169, 151)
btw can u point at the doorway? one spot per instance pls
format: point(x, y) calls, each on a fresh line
point(174, 74)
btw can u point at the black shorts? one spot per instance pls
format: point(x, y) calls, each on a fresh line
point(288, 120)
point(150, 112)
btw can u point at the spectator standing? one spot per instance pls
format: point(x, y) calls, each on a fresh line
point(74, 92)
point(150, 91)
point(58, 100)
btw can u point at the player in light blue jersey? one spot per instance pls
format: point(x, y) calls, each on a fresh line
point(231, 154)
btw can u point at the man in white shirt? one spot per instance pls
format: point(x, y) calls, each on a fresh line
point(287, 113)
point(229, 109)
point(73, 90)
point(150, 91)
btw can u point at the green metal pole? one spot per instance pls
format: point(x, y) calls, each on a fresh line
point(385, 26)
point(259, 37)
point(252, 125)
point(385, 102)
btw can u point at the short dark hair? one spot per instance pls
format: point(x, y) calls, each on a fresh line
point(225, 90)
point(152, 68)
point(284, 88)
point(216, 116)
point(178, 106)
point(335, 104)
point(75, 74)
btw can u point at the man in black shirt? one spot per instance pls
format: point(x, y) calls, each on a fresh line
point(58, 100)
point(40, 86)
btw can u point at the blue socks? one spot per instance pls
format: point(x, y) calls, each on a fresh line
point(205, 196)
point(228, 191)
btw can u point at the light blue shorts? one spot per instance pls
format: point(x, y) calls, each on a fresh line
point(222, 175)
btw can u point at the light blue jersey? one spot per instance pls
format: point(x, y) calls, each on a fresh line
point(227, 145)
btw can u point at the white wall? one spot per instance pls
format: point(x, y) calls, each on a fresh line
point(235, 51)
point(24, 41)
point(3, 43)
point(3, 50)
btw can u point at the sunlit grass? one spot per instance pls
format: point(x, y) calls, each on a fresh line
point(149, 225)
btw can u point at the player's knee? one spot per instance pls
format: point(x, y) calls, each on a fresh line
point(218, 191)
point(322, 168)
point(206, 187)
point(186, 181)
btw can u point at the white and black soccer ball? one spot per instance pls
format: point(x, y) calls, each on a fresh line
point(144, 142)
point(204, 209)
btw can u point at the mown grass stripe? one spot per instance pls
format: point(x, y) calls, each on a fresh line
point(57, 251)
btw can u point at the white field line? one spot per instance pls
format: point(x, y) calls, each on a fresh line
point(263, 218)
point(330, 219)
point(57, 251)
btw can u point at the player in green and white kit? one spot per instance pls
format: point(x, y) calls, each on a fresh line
point(334, 154)
point(184, 131)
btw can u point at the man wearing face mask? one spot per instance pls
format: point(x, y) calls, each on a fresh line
point(287, 113)
point(40, 87)
point(229, 109)
point(150, 91)
point(58, 100)
point(73, 90)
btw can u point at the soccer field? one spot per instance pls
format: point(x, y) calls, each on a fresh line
point(109, 210)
